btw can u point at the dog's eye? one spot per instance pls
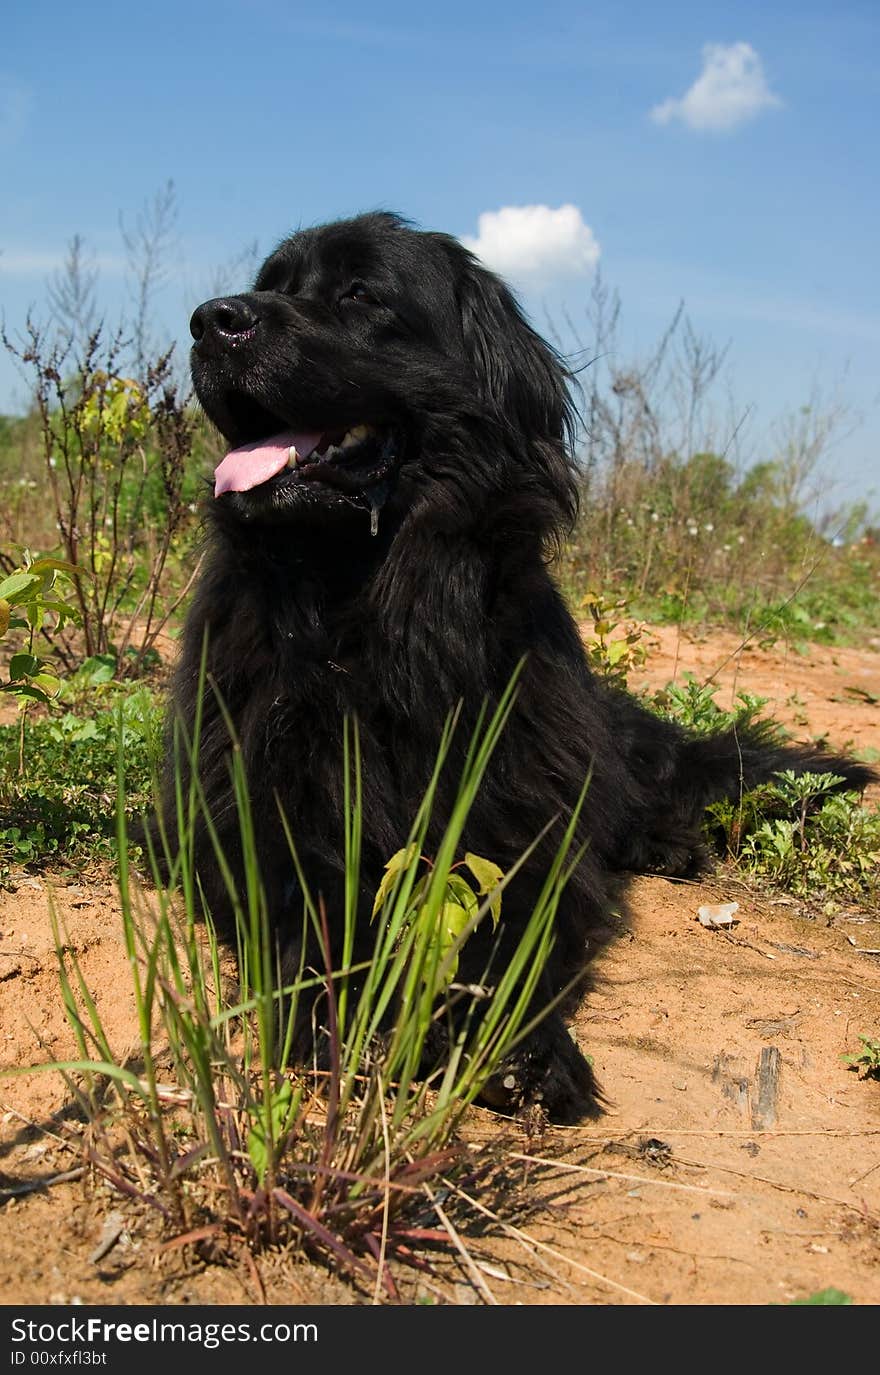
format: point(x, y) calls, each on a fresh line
point(358, 293)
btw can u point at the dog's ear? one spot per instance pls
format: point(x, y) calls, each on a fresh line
point(517, 372)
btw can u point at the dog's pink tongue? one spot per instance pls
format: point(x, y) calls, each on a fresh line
point(252, 464)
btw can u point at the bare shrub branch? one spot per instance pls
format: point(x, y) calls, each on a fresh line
point(147, 245)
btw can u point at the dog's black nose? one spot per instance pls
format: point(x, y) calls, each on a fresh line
point(227, 315)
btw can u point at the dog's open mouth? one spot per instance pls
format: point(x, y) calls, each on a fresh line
point(350, 460)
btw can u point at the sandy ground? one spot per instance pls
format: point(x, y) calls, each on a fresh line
point(738, 1161)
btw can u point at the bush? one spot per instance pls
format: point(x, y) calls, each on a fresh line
point(117, 476)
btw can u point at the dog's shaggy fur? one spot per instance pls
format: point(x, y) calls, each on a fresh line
point(407, 573)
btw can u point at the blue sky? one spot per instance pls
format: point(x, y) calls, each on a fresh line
point(723, 154)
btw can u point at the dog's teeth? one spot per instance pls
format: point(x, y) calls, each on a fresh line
point(292, 456)
point(356, 435)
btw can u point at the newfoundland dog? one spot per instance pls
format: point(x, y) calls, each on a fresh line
point(401, 464)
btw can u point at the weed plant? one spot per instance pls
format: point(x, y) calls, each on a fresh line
point(57, 771)
point(228, 1138)
point(865, 1062)
point(118, 481)
point(795, 833)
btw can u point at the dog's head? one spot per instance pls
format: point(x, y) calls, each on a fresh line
point(371, 359)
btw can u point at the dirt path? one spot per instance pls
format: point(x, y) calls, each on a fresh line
point(739, 1160)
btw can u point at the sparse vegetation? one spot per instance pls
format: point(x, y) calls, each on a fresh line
point(823, 1298)
point(804, 838)
point(615, 646)
point(35, 599)
point(866, 1062)
point(57, 795)
point(117, 478)
point(797, 833)
point(350, 1159)
point(693, 705)
point(684, 523)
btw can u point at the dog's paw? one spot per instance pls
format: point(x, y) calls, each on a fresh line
point(547, 1071)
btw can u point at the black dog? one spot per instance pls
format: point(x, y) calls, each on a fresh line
point(401, 465)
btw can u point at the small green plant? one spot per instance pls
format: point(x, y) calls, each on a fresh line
point(115, 457)
point(59, 807)
point(460, 906)
point(693, 705)
point(344, 1158)
point(823, 1298)
point(817, 843)
point(613, 656)
point(866, 1061)
point(799, 831)
point(35, 596)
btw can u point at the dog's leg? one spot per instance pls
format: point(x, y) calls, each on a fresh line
point(548, 1070)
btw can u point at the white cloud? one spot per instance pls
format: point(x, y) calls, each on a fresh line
point(29, 263)
point(534, 241)
point(731, 89)
point(39, 262)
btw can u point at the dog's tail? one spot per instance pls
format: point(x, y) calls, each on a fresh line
point(730, 763)
point(685, 772)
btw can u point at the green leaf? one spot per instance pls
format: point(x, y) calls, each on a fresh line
point(48, 683)
point(282, 1107)
point(451, 922)
point(60, 565)
point(616, 651)
point(23, 666)
point(823, 1296)
point(4, 616)
point(66, 609)
point(460, 891)
point(26, 690)
point(488, 876)
point(99, 668)
point(396, 863)
point(87, 731)
point(258, 1149)
point(14, 589)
